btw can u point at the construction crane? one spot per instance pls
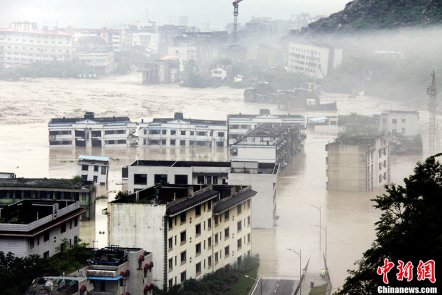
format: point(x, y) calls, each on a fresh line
point(433, 132)
point(235, 19)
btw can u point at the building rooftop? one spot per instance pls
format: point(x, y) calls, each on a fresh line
point(94, 158)
point(49, 183)
point(400, 112)
point(180, 198)
point(274, 130)
point(356, 139)
point(180, 116)
point(266, 113)
point(89, 116)
point(180, 163)
point(113, 255)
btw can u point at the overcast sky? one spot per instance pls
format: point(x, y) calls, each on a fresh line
point(97, 13)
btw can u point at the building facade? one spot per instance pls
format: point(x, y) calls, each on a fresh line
point(23, 44)
point(240, 124)
point(358, 164)
point(181, 132)
point(404, 123)
point(91, 131)
point(267, 143)
point(191, 230)
point(99, 63)
point(313, 60)
point(93, 168)
point(16, 189)
point(38, 227)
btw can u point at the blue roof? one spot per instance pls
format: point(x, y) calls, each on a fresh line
point(94, 158)
point(105, 278)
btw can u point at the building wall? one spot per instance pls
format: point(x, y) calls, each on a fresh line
point(402, 123)
point(99, 176)
point(261, 153)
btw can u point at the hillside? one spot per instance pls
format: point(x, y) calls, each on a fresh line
point(363, 15)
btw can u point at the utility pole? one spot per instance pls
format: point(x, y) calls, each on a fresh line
point(433, 133)
point(320, 233)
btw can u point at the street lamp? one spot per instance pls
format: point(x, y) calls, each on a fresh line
point(320, 232)
point(300, 265)
point(256, 280)
point(325, 229)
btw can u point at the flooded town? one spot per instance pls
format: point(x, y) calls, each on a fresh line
point(164, 157)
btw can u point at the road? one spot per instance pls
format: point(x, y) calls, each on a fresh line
point(276, 286)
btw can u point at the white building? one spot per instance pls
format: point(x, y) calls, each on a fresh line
point(358, 163)
point(100, 63)
point(218, 73)
point(91, 131)
point(405, 123)
point(93, 168)
point(181, 132)
point(313, 60)
point(240, 124)
point(23, 44)
point(38, 227)
point(146, 40)
point(184, 53)
point(267, 143)
point(190, 230)
point(260, 176)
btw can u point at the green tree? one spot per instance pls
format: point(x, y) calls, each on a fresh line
point(409, 229)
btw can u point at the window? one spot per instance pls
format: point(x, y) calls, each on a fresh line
point(180, 179)
point(170, 244)
point(154, 131)
point(209, 223)
point(209, 179)
point(226, 233)
point(239, 226)
point(182, 143)
point(170, 283)
point(192, 132)
point(75, 240)
point(209, 242)
point(380, 178)
point(170, 264)
point(183, 257)
point(198, 229)
point(201, 133)
point(183, 217)
point(63, 227)
point(215, 180)
point(200, 179)
point(95, 178)
point(95, 168)
point(160, 178)
point(394, 121)
point(183, 132)
point(46, 236)
point(31, 243)
point(183, 237)
point(216, 220)
point(239, 208)
point(84, 167)
point(248, 220)
point(198, 268)
point(164, 131)
point(46, 254)
point(226, 251)
point(209, 261)
point(76, 221)
point(226, 215)
point(172, 142)
point(198, 249)
point(385, 163)
point(239, 244)
point(216, 258)
point(103, 170)
point(248, 238)
point(140, 178)
point(198, 210)
point(172, 132)
point(216, 239)
point(220, 134)
point(183, 276)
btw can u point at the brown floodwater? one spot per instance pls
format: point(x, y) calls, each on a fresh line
point(27, 106)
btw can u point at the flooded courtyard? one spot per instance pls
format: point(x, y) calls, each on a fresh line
point(27, 106)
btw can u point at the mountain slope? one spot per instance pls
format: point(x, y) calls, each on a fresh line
point(363, 15)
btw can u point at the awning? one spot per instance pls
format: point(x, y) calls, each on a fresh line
point(117, 278)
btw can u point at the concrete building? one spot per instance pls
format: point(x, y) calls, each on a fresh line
point(404, 123)
point(99, 63)
point(16, 189)
point(240, 124)
point(38, 227)
point(262, 177)
point(313, 60)
point(91, 131)
point(267, 143)
point(192, 230)
point(185, 53)
point(93, 168)
point(358, 163)
point(23, 43)
point(116, 271)
point(181, 132)
point(163, 71)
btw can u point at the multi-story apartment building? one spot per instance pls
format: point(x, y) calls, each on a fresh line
point(358, 163)
point(23, 44)
point(99, 63)
point(262, 177)
point(181, 132)
point(16, 189)
point(267, 143)
point(38, 227)
point(93, 168)
point(91, 131)
point(313, 60)
point(240, 124)
point(185, 53)
point(404, 123)
point(191, 230)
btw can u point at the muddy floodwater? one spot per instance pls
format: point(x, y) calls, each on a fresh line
point(27, 106)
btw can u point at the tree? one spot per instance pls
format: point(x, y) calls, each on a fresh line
point(409, 229)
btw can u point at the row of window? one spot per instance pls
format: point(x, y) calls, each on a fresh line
point(46, 234)
point(31, 194)
point(173, 142)
point(96, 168)
point(182, 132)
point(121, 141)
point(60, 142)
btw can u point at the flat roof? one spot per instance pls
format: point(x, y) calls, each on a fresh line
point(94, 158)
point(89, 116)
point(180, 163)
point(191, 121)
point(47, 183)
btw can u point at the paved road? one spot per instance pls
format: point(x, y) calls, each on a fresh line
point(276, 286)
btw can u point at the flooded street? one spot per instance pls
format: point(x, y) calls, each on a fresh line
point(27, 106)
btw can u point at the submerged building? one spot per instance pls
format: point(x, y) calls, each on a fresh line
point(93, 168)
point(191, 230)
point(181, 132)
point(358, 163)
point(91, 131)
point(39, 227)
